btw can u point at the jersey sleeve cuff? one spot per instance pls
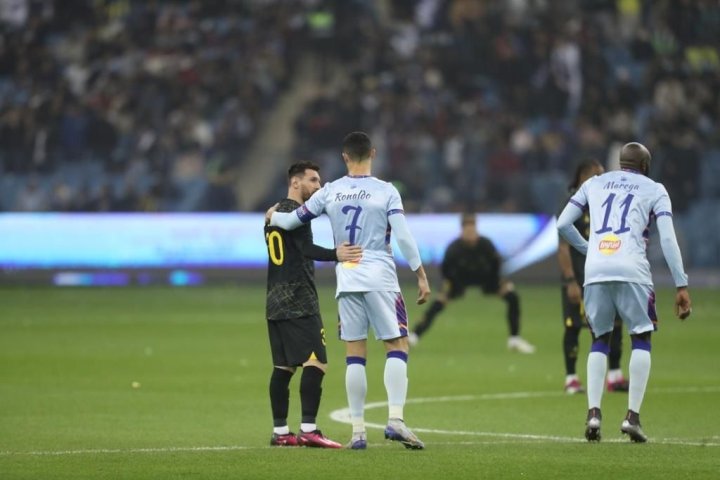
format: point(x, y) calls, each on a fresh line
point(304, 214)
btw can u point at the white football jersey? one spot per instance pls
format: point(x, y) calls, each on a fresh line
point(358, 208)
point(622, 203)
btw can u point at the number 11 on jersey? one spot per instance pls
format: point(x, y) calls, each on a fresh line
point(608, 205)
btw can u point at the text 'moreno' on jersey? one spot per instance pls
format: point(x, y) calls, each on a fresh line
point(622, 204)
point(358, 208)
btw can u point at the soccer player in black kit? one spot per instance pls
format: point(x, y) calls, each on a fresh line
point(295, 328)
point(473, 260)
point(572, 267)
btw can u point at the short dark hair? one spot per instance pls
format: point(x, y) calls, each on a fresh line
point(298, 169)
point(582, 168)
point(466, 218)
point(357, 145)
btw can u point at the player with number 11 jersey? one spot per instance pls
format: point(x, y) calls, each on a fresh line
point(622, 205)
point(617, 273)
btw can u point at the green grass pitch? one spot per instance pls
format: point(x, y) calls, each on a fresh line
point(200, 409)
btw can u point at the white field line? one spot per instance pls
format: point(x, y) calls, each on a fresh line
point(343, 416)
point(103, 451)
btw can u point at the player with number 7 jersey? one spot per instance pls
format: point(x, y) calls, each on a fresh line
point(365, 211)
point(359, 207)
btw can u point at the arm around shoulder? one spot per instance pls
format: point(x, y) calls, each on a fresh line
point(285, 220)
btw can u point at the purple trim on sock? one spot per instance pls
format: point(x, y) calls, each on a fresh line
point(600, 347)
point(398, 354)
point(640, 344)
point(355, 361)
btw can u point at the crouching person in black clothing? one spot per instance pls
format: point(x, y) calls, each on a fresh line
point(472, 260)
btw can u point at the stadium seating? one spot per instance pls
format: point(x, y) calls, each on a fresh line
point(482, 106)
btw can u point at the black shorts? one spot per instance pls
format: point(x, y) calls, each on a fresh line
point(573, 313)
point(295, 341)
point(455, 289)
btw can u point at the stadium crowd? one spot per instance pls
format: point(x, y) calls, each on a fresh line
point(136, 105)
point(117, 105)
point(484, 105)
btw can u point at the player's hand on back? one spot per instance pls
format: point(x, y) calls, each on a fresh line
point(683, 305)
point(347, 252)
point(269, 213)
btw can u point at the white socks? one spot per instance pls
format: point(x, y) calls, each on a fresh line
point(356, 388)
point(571, 377)
point(596, 370)
point(308, 427)
point(639, 374)
point(615, 375)
point(396, 385)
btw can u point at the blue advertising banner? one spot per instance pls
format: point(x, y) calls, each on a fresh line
point(203, 241)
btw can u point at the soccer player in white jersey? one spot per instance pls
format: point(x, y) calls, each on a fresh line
point(364, 211)
point(622, 204)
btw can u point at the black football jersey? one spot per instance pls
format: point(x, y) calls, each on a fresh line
point(291, 291)
point(471, 263)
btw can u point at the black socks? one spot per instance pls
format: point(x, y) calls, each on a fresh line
point(280, 395)
point(310, 392)
point(435, 308)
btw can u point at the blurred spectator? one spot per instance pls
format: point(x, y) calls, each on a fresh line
point(61, 199)
point(491, 101)
point(495, 101)
point(127, 201)
point(31, 198)
point(104, 201)
point(103, 82)
point(220, 193)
